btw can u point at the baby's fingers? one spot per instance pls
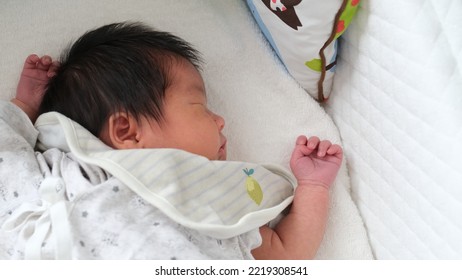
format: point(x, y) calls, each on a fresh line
point(313, 142)
point(323, 147)
point(31, 61)
point(53, 68)
point(301, 140)
point(44, 62)
point(301, 149)
point(335, 150)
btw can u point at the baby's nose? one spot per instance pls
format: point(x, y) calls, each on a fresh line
point(220, 121)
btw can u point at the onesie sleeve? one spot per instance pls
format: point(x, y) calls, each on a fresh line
point(249, 241)
point(16, 129)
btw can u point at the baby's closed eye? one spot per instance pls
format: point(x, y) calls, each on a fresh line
point(199, 104)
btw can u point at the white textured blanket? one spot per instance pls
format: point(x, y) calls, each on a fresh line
point(397, 103)
point(265, 110)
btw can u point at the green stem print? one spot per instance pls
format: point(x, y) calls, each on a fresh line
point(343, 22)
point(253, 187)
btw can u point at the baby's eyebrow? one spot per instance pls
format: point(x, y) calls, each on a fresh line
point(199, 88)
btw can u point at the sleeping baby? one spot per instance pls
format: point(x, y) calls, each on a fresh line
point(126, 161)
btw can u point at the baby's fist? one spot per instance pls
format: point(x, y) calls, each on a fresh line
point(315, 162)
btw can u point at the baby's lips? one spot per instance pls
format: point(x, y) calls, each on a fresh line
point(223, 142)
point(222, 150)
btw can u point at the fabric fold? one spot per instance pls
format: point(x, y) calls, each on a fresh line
point(212, 197)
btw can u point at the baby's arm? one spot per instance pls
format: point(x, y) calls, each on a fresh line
point(315, 164)
point(35, 75)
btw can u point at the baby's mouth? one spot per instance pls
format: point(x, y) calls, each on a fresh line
point(222, 150)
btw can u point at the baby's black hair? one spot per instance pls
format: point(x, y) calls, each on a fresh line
point(117, 67)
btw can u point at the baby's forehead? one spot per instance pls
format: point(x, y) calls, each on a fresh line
point(185, 74)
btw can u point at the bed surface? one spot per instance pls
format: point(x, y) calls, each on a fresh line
point(397, 101)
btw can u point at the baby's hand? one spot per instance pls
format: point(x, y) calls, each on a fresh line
point(315, 162)
point(35, 75)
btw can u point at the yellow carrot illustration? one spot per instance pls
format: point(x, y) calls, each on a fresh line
point(253, 187)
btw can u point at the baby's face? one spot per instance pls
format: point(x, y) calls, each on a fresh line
point(188, 123)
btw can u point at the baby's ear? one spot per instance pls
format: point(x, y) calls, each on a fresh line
point(122, 131)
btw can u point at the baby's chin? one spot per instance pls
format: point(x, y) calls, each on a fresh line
point(218, 157)
point(221, 154)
